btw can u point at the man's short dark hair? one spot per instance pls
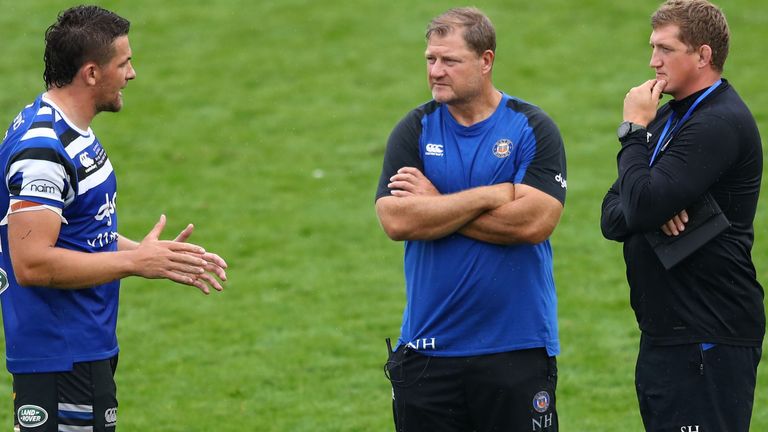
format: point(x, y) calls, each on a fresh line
point(479, 33)
point(700, 23)
point(80, 34)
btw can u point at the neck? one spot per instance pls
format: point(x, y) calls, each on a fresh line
point(705, 81)
point(75, 107)
point(477, 109)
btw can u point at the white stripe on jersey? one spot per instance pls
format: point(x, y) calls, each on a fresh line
point(44, 110)
point(80, 144)
point(96, 178)
point(75, 408)
point(41, 178)
point(44, 132)
point(56, 210)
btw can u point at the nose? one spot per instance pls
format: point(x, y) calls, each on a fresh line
point(131, 73)
point(655, 59)
point(436, 69)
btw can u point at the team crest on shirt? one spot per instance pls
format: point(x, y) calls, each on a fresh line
point(541, 402)
point(502, 148)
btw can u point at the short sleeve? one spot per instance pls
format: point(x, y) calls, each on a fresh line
point(402, 150)
point(39, 174)
point(543, 164)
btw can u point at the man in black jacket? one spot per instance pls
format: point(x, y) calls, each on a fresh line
point(702, 319)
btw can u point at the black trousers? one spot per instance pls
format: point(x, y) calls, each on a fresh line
point(695, 387)
point(512, 391)
point(83, 397)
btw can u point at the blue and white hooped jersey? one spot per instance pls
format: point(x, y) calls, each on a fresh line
point(466, 297)
point(46, 160)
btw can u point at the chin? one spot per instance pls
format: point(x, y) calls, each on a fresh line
point(114, 106)
point(442, 98)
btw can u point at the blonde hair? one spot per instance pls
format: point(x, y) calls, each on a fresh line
point(700, 23)
point(478, 34)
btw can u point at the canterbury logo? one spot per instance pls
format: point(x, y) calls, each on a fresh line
point(434, 150)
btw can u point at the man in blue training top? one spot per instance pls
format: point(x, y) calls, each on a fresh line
point(474, 181)
point(62, 256)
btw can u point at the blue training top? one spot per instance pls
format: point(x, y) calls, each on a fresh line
point(466, 297)
point(45, 159)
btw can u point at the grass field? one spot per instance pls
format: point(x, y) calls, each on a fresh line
point(264, 123)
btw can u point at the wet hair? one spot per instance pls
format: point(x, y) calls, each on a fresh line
point(700, 23)
point(80, 34)
point(479, 33)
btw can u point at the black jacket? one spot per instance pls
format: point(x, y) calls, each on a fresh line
point(713, 295)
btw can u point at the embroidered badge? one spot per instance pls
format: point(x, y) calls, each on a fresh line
point(502, 148)
point(541, 402)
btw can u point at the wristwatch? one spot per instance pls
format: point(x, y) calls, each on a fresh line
point(626, 128)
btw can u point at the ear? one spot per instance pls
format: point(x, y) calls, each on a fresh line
point(705, 56)
point(89, 73)
point(487, 60)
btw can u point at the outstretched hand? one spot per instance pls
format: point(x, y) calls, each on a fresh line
point(178, 261)
point(215, 265)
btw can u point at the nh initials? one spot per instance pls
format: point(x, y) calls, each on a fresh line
point(422, 344)
point(543, 422)
point(690, 428)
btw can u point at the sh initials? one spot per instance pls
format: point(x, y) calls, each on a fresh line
point(690, 428)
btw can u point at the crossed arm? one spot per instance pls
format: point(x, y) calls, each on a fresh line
point(32, 237)
point(502, 213)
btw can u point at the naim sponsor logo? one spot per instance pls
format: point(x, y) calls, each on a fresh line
point(31, 416)
point(434, 150)
point(39, 187)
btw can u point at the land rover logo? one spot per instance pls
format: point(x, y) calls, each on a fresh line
point(3, 280)
point(31, 416)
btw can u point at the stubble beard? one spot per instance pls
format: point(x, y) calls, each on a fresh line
point(111, 106)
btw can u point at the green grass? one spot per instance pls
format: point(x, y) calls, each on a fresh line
point(264, 123)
